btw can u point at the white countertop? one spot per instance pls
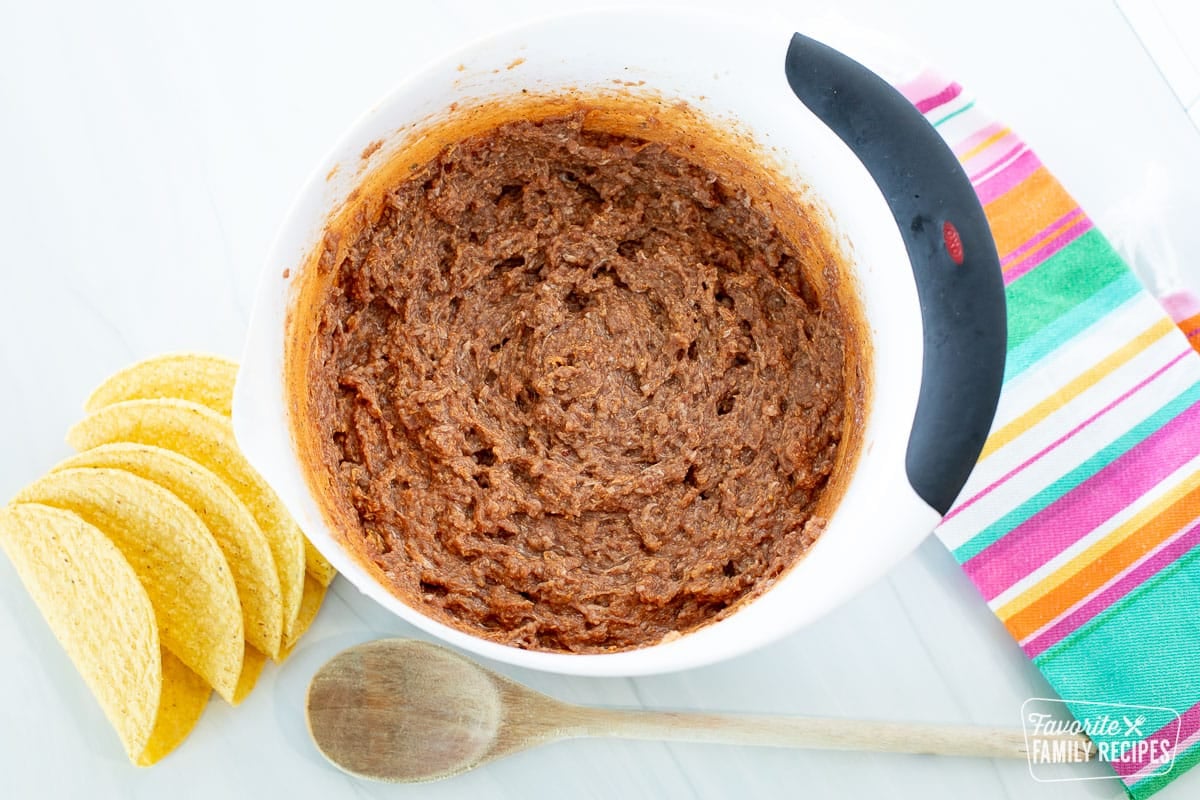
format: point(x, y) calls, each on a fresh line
point(147, 155)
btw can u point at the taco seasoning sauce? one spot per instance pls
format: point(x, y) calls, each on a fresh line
point(574, 391)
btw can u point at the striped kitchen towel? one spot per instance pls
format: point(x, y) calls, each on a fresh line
point(1184, 308)
point(1081, 524)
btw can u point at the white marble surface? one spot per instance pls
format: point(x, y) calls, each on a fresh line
point(147, 154)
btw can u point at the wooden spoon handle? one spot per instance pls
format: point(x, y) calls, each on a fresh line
point(819, 734)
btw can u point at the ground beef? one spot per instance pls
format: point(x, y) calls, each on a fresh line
point(574, 390)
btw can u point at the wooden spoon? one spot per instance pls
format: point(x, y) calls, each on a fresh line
point(403, 710)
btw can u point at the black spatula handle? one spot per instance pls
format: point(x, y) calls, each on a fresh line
point(951, 249)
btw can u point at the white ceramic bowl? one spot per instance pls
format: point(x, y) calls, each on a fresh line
point(725, 70)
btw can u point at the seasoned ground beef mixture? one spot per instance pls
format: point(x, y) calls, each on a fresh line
point(574, 392)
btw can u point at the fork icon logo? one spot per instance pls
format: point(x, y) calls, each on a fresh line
point(1133, 727)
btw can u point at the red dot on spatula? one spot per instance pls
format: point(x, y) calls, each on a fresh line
point(953, 242)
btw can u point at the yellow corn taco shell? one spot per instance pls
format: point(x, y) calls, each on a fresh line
point(314, 596)
point(252, 667)
point(317, 566)
point(173, 554)
point(102, 615)
point(182, 701)
point(241, 541)
point(200, 378)
point(202, 435)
